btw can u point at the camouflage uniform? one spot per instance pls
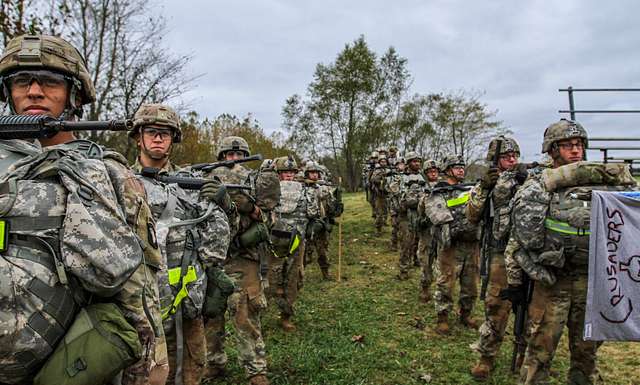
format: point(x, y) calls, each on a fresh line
point(393, 203)
point(411, 187)
point(298, 205)
point(202, 245)
point(550, 243)
point(136, 296)
point(243, 265)
point(425, 246)
point(378, 179)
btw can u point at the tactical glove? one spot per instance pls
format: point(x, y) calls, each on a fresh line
point(514, 294)
point(214, 191)
point(490, 178)
point(521, 173)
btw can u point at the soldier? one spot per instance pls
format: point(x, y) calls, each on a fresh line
point(298, 205)
point(193, 239)
point(426, 247)
point(377, 183)
point(367, 170)
point(394, 180)
point(550, 243)
point(457, 240)
point(245, 264)
point(496, 190)
point(412, 184)
point(102, 240)
point(320, 230)
point(393, 156)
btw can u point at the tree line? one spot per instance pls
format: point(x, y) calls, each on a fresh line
point(353, 105)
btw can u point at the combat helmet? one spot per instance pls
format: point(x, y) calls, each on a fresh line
point(381, 150)
point(393, 149)
point(564, 129)
point(286, 163)
point(429, 164)
point(411, 155)
point(157, 115)
point(507, 145)
point(451, 161)
point(233, 143)
point(374, 155)
point(313, 166)
point(52, 53)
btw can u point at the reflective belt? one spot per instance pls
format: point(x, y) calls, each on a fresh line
point(4, 235)
point(174, 279)
point(564, 228)
point(462, 199)
point(295, 242)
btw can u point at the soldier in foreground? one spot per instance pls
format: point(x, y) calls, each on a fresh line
point(550, 244)
point(457, 258)
point(410, 188)
point(89, 244)
point(298, 205)
point(193, 235)
point(489, 206)
point(245, 264)
point(426, 246)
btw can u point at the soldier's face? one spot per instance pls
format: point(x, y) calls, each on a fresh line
point(508, 161)
point(432, 174)
point(457, 172)
point(156, 141)
point(383, 163)
point(400, 167)
point(287, 175)
point(414, 164)
point(37, 94)
point(233, 155)
point(313, 175)
point(570, 151)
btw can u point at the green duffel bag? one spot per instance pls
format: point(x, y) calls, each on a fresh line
point(99, 344)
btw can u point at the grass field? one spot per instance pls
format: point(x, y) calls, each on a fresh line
point(371, 329)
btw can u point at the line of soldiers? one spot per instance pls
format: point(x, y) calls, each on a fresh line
point(119, 274)
point(523, 229)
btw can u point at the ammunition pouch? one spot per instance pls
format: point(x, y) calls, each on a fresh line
point(99, 344)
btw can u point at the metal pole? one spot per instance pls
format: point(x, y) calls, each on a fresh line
point(572, 105)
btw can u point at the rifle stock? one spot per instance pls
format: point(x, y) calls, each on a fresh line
point(186, 183)
point(43, 126)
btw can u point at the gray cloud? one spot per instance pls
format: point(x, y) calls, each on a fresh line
point(254, 54)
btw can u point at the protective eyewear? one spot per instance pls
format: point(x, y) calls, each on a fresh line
point(151, 132)
point(570, 146)
point(22, 80)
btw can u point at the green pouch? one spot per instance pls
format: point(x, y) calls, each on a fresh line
point(219, 287)
point(99, 344)
point(256, 233)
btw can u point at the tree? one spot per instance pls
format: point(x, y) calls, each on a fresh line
point(350, 103)
point(18, 17)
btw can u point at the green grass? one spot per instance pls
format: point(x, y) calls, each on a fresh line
point(398, 343)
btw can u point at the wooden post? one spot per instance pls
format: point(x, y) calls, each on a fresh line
point(339, 276)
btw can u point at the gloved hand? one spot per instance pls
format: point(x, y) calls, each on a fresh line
point(214, 191)
point(490, 178)
point(515, 294)
point(521, 173)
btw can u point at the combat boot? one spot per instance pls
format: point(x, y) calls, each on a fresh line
point(425, 295)
point(467, 320)
point(483, 368)
point(260, 379)
point(287, 325)
point(442, 327)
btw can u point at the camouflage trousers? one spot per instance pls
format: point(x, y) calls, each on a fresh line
point(424, 249)
point(286, 277)
point(194, 351)
point(319, 244)
point(496, 310)
point(457, 263)
point(245, 307)
point(551, 309)
point(394, 228)
point(380, 210)
point(153, 368)
point(408, 244)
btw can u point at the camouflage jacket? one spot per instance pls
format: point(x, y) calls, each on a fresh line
point(173, 208)
point(298, 204)
point(411, 188)
point(378, 180)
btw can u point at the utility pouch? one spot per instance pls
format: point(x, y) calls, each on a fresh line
point(256, 233)
point(219, 287)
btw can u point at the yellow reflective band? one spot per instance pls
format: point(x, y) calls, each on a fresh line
point(4, 235)
point(462, 199)
point(174, 279)
point(294, 244)
point(564, 228)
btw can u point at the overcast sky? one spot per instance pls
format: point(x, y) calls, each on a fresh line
point(254, 54)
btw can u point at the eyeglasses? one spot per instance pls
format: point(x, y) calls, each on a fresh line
point(569, 146)
point(151, 132)
point(508, 156)
point(22, 80)
point(237, 153)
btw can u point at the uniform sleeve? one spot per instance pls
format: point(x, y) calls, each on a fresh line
point(216, 236)
point(475, 205)
point(530, 207)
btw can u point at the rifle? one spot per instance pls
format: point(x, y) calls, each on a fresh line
point(224, 163)
point(184, 182)
point(487, 232)
point(43, 126)
point(444, 186)
point(521, 309)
